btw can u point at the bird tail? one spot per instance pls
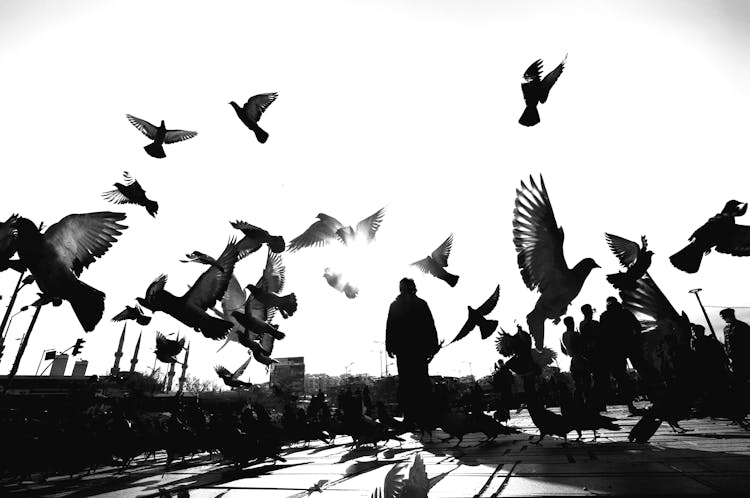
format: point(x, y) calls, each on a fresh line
point(215, 328)
point(229, 339)
point(487, 328)
point(260, 134)
point(17, 265)
point(152, 207)
point(288, 305)
point(88, 305)
point(277, 334)
point(155, 150)
point(451, 279)
point(688, 259)
point(530, 116)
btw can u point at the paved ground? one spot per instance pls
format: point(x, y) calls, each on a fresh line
point(714, 457)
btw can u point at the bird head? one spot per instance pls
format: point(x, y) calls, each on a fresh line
point(277, 244)
point(734, 208)
point(585, 266)
point(144, 303)
point(24, 227)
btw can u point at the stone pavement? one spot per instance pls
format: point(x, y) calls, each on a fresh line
point(713, 457)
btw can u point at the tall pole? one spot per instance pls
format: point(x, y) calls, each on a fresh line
point(711, 327)
point(183, 377)
point(118, 354)
point(8, 311)
point(23, 345)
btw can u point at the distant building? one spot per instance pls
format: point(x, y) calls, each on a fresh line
point(59, 364)
point(79, 369)
point(289, 374)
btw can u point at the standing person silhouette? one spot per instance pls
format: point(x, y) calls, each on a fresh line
point(620, 334)
point(737, 345)
point(411, 336)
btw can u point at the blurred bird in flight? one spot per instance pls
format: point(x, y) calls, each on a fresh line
point(536, 90)
point(435, 263)
point(328, 229)
point(160, 135)
point(337, 281)
point(131, 192)
point(270, 285)
point(232, 379)
point(256, 237)
point(251, 112)
point(636, 259)
point(168, 349)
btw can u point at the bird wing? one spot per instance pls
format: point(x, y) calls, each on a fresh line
point(369, 226)
point(155, 286)
point(79, 239)
point(273, 274)
point(144, 126)
point(237, 373)
point(257, 105)
point(440, 255)
point(538, 239)
point(738, 243)
point(172, 136)
point(125, 314)
point(233, 299)
point(135, 188)
point(534, 72)
point(468, 327)
point(117, 197)
point(319, 233)
point(649, 304)
point(255, 308)
point(424, 265)
point(626, 250)
point(550, 80)
point(490, 303)
point(213, 283)
point(223, 372)
point(168, 347)
point(266, 342)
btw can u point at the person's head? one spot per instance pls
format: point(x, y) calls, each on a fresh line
point(698, 330)
point(587, 311)
point(727, 314)
point(569, 322)
point(407, 286)
point(612, 303)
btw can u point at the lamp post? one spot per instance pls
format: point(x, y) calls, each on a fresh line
point(346, 370)
point(471, 373)
point(381, 359)
point(711, 327)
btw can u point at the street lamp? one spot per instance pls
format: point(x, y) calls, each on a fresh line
point(346, 369)
point(381, 359)
point(470, 371)
point(711, 327)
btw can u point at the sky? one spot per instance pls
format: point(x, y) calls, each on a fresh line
point(413, 105)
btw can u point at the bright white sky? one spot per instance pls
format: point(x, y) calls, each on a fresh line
point(411, 104)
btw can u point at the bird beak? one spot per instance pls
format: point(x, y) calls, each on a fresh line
point(742, 208)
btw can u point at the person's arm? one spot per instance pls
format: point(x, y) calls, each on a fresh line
point(433, 346)
point(390, 332)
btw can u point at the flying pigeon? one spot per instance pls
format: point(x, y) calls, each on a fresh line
point(328, 229)
point(477, 318)
point(191, 307)
point(336, 280)
point(256, 237)
point(131, 193)
point(232, 379)
point(536, 91)
point(721, 233)
point(539, 243)
point(202, 258)
point(435, 263)
point(159, 135)
point(233, 300)
point(635, 259)
point(132, 313)
point(168, 349)
point(271, 284)
point(251, 112)
point(57, 257)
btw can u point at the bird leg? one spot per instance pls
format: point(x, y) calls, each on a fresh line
point(460, 438)
point(541, 436)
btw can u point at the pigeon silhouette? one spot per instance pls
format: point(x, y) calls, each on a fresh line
point(234, 299)
point(57, 257)
point(328, 229)
point(435, 263)
point(191, 307)
point(132, 313)
point(160, 135)
point(232, 379)
point(337, 281)
point(721, 233)
point(262, 350)
point(251, 112)
point(168, 349)
point(271, 284)
point(636, 259)
point(202, 258)
point(477, 318)
point(256, 237)
point(131, 192)
point(539, 244)
point(8, 235)
point(536, 90)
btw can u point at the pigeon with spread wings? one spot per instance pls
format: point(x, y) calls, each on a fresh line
point(539, 244)
point(477, 318)
point(57, 257)
point(435, 263)
point(131, 192)
point(191, 307)
point(168, 349)
point(636, 259)
point(536, 90)
point(132, 313)
point(721, 233)
point(270, 285)
point(160, 135)
point(233, 379)
point(251, 112)
point(328, 229)
point(256, 237)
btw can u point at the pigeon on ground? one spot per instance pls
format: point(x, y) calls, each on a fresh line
point(539, 243)
point(337, 281)
point(251, 112)
point(536, 90)
point(233, 379)
point(191, 307)
point(168, 349)
point(548, 422)
point(57, 257)
point(131, 193)
point(160, 135)
point(435, 263)
point(271, 284)
point(635, 259)
point(477, 318)
point(132, 313)
point(256, 237)
point(721, 233)
point(328, 229)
